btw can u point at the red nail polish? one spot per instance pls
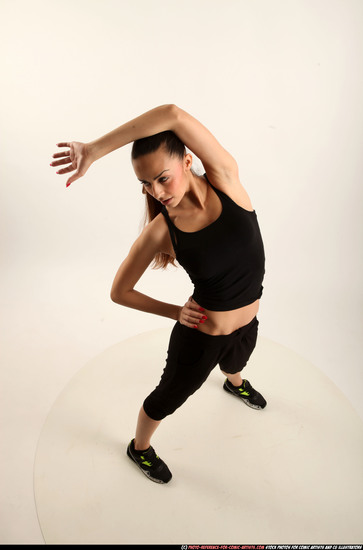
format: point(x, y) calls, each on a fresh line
point(201, 309)
point(195, 326)
point(204, 317)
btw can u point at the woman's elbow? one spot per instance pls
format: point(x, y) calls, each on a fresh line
point(117, 296)
point(113, 295)
point(172, 110)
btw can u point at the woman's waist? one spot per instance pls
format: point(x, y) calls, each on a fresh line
point(226, 322)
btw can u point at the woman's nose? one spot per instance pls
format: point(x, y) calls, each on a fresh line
point(157, 190)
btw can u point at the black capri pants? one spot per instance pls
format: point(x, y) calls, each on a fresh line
point(191, 357)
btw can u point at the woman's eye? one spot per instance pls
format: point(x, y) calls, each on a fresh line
point(163, 180)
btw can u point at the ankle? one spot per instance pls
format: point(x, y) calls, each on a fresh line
point(236, 382)
point(141, 446)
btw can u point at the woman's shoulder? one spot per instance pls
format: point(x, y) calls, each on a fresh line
point(229, 183)
point(157, 230)
point(157, 227)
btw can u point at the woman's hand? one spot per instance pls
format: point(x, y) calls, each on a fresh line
point(78, 157)
point(192, 314)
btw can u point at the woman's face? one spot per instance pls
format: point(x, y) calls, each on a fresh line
point(164, 177)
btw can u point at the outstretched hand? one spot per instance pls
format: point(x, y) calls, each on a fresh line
point(192, 314)
point(78, 157)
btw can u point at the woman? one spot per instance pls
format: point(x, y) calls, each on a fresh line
point(208, 224)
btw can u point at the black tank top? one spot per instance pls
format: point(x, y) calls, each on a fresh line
point(225, 260)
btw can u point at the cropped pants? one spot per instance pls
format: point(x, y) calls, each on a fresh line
point(191, 357)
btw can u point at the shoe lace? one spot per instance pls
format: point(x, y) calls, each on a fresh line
point(150, 458)
point(244, 390)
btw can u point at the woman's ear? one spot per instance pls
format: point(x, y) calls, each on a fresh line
point(188, 161)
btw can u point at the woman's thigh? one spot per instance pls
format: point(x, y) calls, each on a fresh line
point(189, 362)
point(236, 356)
point(189, 359)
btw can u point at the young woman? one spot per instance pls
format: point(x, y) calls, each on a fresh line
point(207, 223)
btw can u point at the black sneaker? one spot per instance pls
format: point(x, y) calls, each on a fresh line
point(150, 464)
point(247, 393)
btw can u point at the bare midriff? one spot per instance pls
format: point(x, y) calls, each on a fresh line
point(226, 322)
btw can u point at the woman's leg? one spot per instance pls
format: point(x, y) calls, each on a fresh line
point(238, 356)
point(234, 379)
point(145, 428)
point(189, 363)
point(243, 343)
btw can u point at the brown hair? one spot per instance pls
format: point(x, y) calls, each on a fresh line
point(175, 147)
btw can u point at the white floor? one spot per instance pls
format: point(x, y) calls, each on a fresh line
point(302, 452)
point(291, 472)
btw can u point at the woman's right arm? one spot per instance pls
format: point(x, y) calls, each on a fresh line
point(151, 241)
point(154, 238)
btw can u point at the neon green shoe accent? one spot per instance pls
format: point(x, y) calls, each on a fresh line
point(145, 461)
point(242, 390)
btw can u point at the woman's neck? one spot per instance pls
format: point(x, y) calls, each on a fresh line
point(196, 193)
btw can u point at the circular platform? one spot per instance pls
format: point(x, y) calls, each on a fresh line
point(291, 473)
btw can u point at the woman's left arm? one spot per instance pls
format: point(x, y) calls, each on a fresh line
point(169, 117)
point(218, 163)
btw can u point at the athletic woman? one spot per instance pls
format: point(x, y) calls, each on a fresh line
point(206, 223)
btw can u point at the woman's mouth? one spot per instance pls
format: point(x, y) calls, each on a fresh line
point(166, 201)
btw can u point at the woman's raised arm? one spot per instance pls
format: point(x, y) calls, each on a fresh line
point(216, 160)
point(81, 155)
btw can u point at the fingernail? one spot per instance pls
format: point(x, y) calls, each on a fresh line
point(204, 317)
point(68, 184)
point(51, 164)
point(58, 172)
point(201, 309)
point(195, 326)
point(202, 321)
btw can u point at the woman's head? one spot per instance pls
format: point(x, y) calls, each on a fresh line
point(161, 164)
point(150, 144)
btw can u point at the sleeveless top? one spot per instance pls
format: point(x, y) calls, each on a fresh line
point(225, 260)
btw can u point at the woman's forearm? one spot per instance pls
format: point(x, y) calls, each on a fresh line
point(137, 300)
point(152, 122)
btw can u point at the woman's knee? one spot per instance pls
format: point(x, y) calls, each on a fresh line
point(157, 408)
point(167, 398)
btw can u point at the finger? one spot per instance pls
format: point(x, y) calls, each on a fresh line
point(65, 170)
point(75, 177)
point(62, 154)
point(194, 304)
point(63, 144)
point(59, 162)
point(194, 311)
point(195, 307)
point(195, 319)
point(190, 325)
